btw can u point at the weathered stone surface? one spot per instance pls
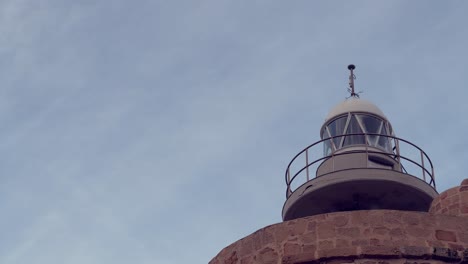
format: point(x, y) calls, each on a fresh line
point(415, 252)
point(340, 220)
point(299, 258)
point(325, 244)
point(360, 242)
point(453, 201)
point(350, 232)
point(246, 246)
point(464, 182)
point(396, 232)
point(380, 230)
point(248, 260)
point(291, 248)
point(411, 219)
point(418, 232)
point(268, 256)
point(337, 253)
point(325, 230)
point(232, 258)
point(342, 243)
point(309, 238)
point(463, 237)
point(445, 235)
point(352, 237)
point(380, 251)
point(309, 248)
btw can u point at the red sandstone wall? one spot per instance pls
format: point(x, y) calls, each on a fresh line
point(363, 237)
point(454, 201)
point(350, 236)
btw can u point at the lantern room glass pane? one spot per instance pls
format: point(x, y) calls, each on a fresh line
point(371, 125)
point(385, 142)
point(354, 128)
point(327, 145)
point(337, 128)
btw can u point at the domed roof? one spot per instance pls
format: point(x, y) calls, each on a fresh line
point(355, 105)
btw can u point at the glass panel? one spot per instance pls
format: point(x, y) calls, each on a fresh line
point(327, 148)
point(337, 128)
point(384, 142)
point(354, 128)
point(371, 124)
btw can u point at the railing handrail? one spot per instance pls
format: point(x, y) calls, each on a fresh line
point(398, 155)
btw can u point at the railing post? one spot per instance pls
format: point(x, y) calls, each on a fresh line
point(422, 164)
point(367, 154)
point(333, 160)
point(307, 164)
point(397, 145)
point(433, 176)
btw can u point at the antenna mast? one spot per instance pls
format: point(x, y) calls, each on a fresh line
point(351, 68)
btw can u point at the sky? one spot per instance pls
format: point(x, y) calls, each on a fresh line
point(160, 131)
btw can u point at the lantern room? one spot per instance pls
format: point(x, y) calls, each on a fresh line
point(360, 165)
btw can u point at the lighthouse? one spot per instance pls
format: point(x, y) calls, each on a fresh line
point(360, 194)
point(362, 166)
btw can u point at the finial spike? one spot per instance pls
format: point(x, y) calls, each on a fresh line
point(351, 68)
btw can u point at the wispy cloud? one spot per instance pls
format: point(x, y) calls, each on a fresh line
point(130, 130)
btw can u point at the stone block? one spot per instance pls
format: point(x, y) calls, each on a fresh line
point(464, 197)
point(443, 195)
point(340, 220)
point(375, 242)
point(232, 259)
point(297, 227)
point(445, 235)
point(392, 219)
point(411, 219)
point(325, 230)
point(452, 191)
point(456, 246)
point(380, 251)
point(267, 256)
point(305, 257)
point(325, 244)
point(463, 237)
point(311, 226)
point(342, 243)
point(418, 231)
point(267, 237)
point(380, 230)
point(248, 260)
point(464, 209)
point(346, 252)
point(309, 238)
point(246, 246)
point(291, 248)
point(360, 242)
point(396, 232)
point(309, 248)
point(415, 252)
point(348, 232)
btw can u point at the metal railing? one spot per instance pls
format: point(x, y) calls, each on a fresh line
point(406, 164)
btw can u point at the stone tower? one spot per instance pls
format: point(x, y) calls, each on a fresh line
point(360, 195)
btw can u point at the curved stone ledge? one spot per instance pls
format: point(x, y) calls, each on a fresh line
point(354, 236)
point(453, 201)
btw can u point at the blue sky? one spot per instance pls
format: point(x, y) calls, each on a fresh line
point(159, 131)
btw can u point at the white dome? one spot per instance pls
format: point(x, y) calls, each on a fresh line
point(355, 105)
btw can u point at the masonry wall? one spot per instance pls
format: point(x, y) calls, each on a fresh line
point(367, 237)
